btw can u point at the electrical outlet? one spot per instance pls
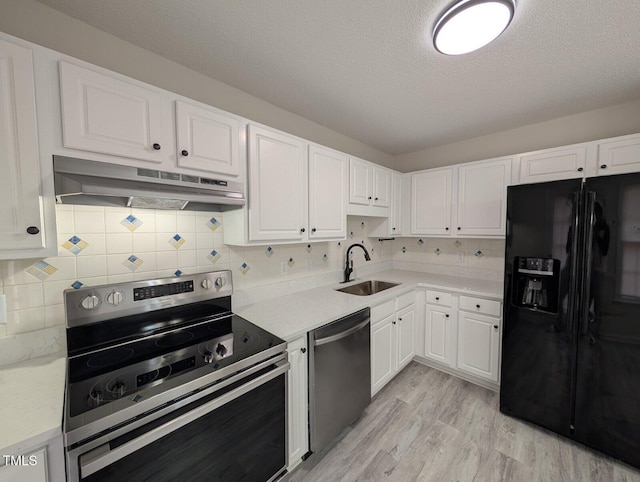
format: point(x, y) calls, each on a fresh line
point(460, 258)
point(284, 269)
point(309, 264)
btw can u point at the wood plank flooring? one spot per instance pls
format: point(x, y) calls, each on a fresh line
point(426, 425)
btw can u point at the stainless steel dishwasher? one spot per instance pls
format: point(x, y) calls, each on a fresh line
point(339, 376)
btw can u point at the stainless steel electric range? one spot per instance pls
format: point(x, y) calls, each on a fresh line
point(164, 382)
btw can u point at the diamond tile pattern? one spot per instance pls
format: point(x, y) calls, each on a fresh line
point(214, 256)
point(244, 268)
point(41, 270)
point(75, 245)
point(213, 224)
point(131, 222)
point(132, 262)
point(177, 241)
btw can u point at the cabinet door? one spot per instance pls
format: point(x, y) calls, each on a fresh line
point(437, 334)
point(381, 187)
point(327, 194)
point(431, 202)
point(618, 156)
point(31, 467)
point(277, 186)
point(207, 140)
point(360, 179)
point(395, 217)
point(21, 222)
point(405, 334)
point(298, 401)
point(553, 164)
point(383, 353)
point(482, 198)
point(112, 116)
point(478, 345)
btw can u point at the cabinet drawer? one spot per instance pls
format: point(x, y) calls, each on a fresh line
point(382, 311)
point(479, 305)
point(438, 298)
point(406, 299)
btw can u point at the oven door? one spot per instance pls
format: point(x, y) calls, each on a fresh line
point(239, 434)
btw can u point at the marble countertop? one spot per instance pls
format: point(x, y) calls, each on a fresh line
point(31, 402)
point(32, 391)
point(291, 316)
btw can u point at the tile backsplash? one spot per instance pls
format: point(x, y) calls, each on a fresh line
point(98, 245)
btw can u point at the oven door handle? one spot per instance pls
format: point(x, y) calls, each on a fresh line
point(103, 456)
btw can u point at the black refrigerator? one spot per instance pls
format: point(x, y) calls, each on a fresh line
point(571, 333)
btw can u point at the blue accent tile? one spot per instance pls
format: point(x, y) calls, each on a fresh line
point(131, 218)
point(74, 239)
point(178, 273)
point(177, 237)
point(133, 258)
point(76, 285)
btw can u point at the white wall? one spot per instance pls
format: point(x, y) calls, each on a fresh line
point(45, 26)
point(616, 120)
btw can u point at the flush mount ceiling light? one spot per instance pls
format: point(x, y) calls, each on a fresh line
point(471, 24)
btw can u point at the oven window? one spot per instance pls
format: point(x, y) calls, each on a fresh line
point(242, 440)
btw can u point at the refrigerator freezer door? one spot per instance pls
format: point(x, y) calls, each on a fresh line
point(607, 413)
point(538, 347)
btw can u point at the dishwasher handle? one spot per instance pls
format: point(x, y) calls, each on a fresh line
point(339, 336)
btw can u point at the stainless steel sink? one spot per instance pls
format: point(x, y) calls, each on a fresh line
point(367, 288)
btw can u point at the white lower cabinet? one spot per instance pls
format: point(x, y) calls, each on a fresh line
point(437, 334)
point(393, 329)
point(44, 463)
point(298, 401)
point(478, 345)
point(462, 334)
point(383, 366)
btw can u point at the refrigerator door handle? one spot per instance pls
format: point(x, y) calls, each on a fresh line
point(586, 278)
point(573, 269)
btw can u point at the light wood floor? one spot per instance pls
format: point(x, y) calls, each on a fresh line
point(426, 425)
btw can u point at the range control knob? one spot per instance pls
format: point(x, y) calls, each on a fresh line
point(220, 282)
point(208, 357)
point(95, 398)
point(115, 298)
point(118, 389)
point(206, 283)
point(90, 302)
point(221, 350)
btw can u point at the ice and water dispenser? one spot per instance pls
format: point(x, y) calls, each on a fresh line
point(536, 283)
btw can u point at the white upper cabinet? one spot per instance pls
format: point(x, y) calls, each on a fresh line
point(277, 186)
point(327, 193)
point(394, 224)
point(619, 155)
point(482, 197)
point(431, 202)
point(553, 164)
point(22, 226)
point(207, 140)
point(369, 189)
point(124, 121)
point(107, 115)
point(360, 180)
point(463, 200)
point(381, 187)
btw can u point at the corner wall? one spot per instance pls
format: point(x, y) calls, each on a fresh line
point(612, 121)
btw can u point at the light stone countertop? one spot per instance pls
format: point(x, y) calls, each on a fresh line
point(31, 402)
point(32, 391)
point(291, 316)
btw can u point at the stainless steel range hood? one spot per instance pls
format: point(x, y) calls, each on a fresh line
point(79, 181)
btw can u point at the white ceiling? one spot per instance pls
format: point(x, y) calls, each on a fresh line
point(367, 68)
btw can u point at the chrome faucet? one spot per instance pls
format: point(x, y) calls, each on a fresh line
point(348, 269)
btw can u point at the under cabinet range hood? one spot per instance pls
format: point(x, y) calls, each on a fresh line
point(79, 181)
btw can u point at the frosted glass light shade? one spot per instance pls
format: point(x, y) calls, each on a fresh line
point(471, 24)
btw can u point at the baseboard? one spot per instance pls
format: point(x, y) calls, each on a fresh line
point(456, 373)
